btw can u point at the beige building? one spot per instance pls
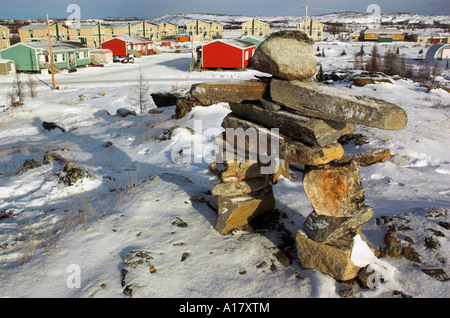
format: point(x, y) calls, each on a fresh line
point(255, 27)
point(146, 30)
point(119, 29)
point(4, 37)
point(92, 35)
point(313, 29)
point(167, 30)
point(39, 32)
point(204, 31)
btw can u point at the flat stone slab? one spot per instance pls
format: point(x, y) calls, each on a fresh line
point(240, 187)
point(312, 131)
point(324, 229)
point(290, 150)
point(318, 100)
point(229, 92)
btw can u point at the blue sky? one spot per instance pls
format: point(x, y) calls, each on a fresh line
point(24, 9)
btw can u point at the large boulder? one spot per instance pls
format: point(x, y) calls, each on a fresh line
point(286, 55)
point(317, 100)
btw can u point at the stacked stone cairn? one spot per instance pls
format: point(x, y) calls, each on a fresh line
point(311, 117)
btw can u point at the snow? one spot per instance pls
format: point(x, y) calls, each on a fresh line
point(142, 186)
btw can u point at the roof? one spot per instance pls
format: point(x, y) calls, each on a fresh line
point(234, 42)
point(39, 26)
point(387, 30)
point(57, 46)
point(131, 39)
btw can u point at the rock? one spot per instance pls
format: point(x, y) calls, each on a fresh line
point(50, 156)
point(52, 125)
point(322, 101)
point(290, 150)
point(229, 92)
point(445, 225)
point(367, 158)
point(235, 212)
point(168, 133)
point(409, 253)
point(311, 131)
point(331, 259)
point(269, 104)
point(239, 188)
point(29, 164)
point(286, 55)
point(366, 78)
point(137, 257)
point(334, 190)
point(391, 243)
point(324, 229)
point(124, 112)
point(165, 99)
point(437, 273)
point(233, 170)
point(71, 174)
point(184, 105)
point(281, 169)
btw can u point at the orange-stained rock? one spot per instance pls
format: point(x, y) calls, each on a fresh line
point(334, 189)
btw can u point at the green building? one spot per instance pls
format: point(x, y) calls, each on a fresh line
point(34, 56)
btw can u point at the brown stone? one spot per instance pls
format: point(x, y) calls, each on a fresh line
point(234, 170)
point(367, 158)
point(331, 259)
point(229, 92)
point(318, 100)
point(311, 131)
point(334, 190)
point(235, 212)
point(290, 150)
point(239, 188)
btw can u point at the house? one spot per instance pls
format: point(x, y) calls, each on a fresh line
point(354, 36)
point(255, 27)
point(119, 29)
point(433, 38)
point(39, 32)
point(145, 29)
point(7, 67)
point(313, 29)
point(254, 39)
point(123, 45)
point(90, 34)
point(34, 56)
point(4, 37)
point(383, 35)
point(167, 30)
point(216, 30)
point(438, 52)
point(227, 53)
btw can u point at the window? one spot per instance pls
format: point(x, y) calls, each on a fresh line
point(246, 55)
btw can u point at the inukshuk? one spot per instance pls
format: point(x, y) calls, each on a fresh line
point(310, 118)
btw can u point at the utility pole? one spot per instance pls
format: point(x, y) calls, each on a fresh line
point(51, 52)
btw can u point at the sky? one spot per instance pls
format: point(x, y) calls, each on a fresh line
point(88, 9)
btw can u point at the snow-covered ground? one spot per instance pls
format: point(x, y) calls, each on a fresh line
point(150, 195)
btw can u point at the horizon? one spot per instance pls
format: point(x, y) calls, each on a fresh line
point(103, 9)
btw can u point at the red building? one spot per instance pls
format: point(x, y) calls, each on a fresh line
point(227, 53)
point(122, 45)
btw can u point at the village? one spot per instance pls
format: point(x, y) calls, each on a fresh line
point(24, 47)
point(111, 185)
